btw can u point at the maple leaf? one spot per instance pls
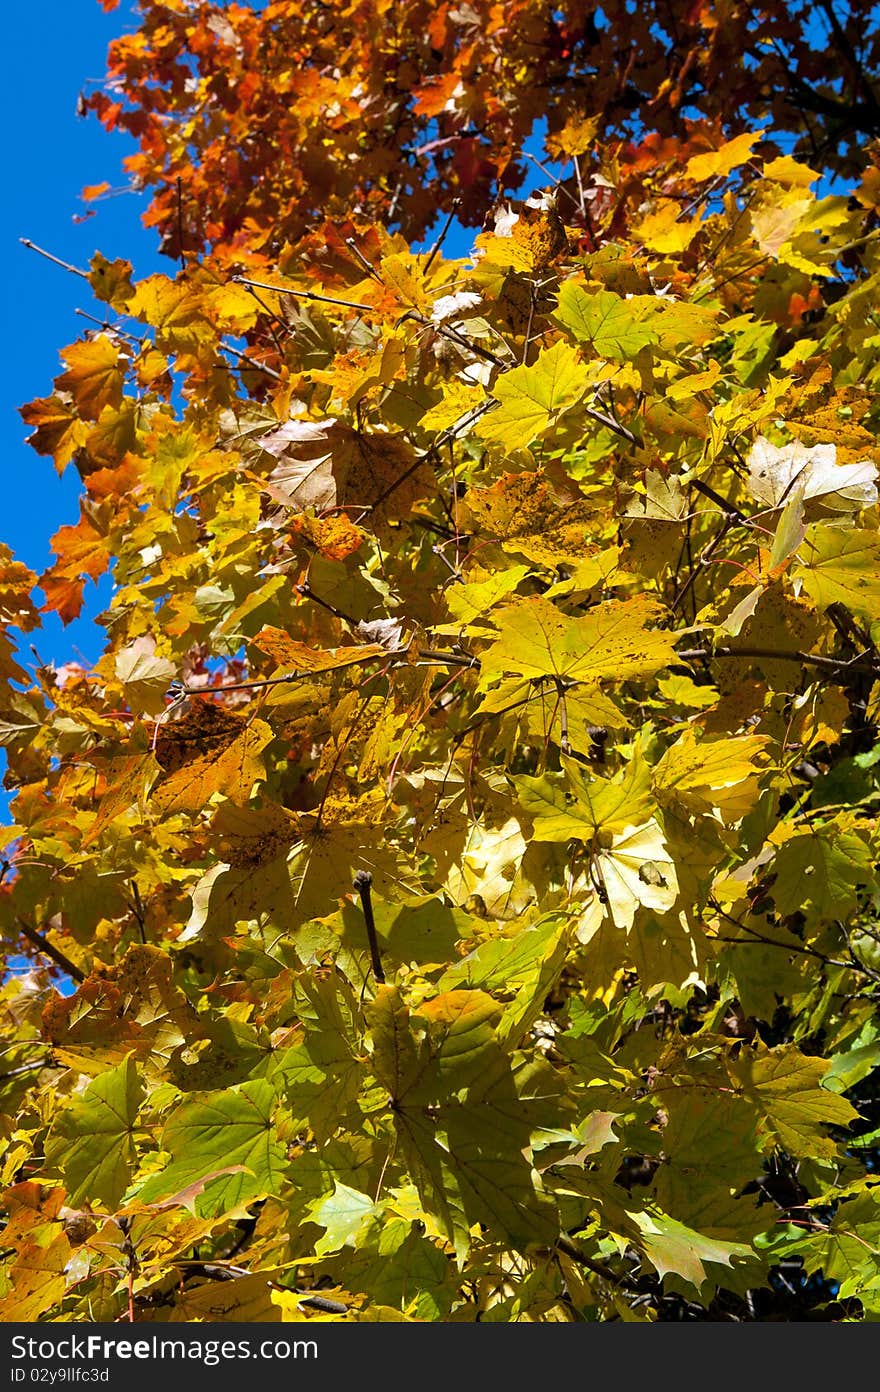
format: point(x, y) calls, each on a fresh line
point(532, 398)
point(721, 161)
point(665, 229)
point(251, 879)
point(608, 322)
point(59, 431)
point(294, 656)
point(611, 642)
point(673, 1247)
point(224, 1134)
point(325, 464)
point(92, 1140)
point(630, 861)
point(784, 1088)
point(81, 551)
point(777, 474)
point(841, 566)
point(94, 376)
point(144, 676)
point(821, 867)
point(715, 776)
point(477, 1171)
point(231, 771)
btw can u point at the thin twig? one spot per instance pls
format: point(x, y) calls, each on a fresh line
point(556, 183)
point(830, 664)
point(611, 424)
point(105, 324)
point(367, 265)
point(429, 655)
point(301, 294)
point(800, 949)
point(321, 1302)
point(598, 1268)
point(455, 337)
point(447, 659)
point(727, 508)
point(180, 223)
point(26, 1068)
point(442, 329)
point(527, 341)
point(243, 357)
point(306, 591)
point(705, 556)
point(138, 911)
point(456, 204)
point(65, 265)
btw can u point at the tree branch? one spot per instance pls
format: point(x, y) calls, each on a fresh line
point(829, 664)
point(363, 881)
point(49, 950)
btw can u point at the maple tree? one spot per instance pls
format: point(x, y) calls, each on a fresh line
point(463, 851)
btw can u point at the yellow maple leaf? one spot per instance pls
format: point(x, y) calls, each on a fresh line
point(532, 398)
point(402, 277)
point(715, 776)
point(611, 641)
point(665, 230)
point(294, 656)
point(231, 770)
point(719, 163)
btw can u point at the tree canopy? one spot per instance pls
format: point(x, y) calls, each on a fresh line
point(459, 868)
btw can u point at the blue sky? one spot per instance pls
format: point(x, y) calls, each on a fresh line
point(49, 155)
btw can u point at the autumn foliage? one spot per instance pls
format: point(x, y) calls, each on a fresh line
point(464, 850)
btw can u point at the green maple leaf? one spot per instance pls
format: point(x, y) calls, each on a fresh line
point(419, 930)
point(821, 867)
point(785, 1089)
point(506, 963)
point(323, 1075)
point(532, 398)
point(608, 322)
point(712, 1153)
point(673, 1247)
point(526, 963)
point(342, 1216)
point(841, 565)
point(401, 1269)
point(456, 1116)
point(215, 1134)
point(91, 1141)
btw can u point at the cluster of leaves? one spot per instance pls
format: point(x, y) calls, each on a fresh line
point(273, 118)
point(464, 849)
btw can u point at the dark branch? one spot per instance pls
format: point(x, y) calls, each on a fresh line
point(50, 950)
